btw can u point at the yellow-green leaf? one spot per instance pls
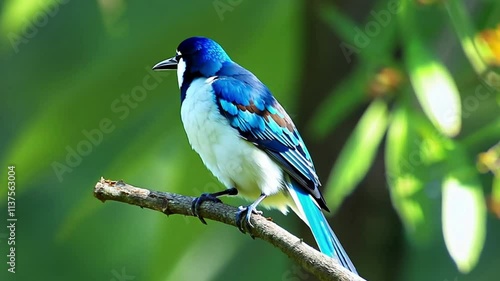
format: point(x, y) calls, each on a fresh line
point(405, 186)
point(434, 87)
point(465, 31)
point(358, 154)
point(464, 219)
point(495, 196)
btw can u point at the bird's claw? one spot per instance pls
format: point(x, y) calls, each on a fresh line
point(243, 217)
point(196, 204)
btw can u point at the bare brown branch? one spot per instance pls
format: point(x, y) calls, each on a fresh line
point(318, 264)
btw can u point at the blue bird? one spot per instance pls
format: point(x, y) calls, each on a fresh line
point(247, 140)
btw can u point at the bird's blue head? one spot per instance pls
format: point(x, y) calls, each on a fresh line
point(195, 57)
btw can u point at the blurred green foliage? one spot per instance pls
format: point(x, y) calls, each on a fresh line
point(421, 156)
point(80, 102)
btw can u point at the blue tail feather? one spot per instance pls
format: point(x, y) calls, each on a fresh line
point(325, 237)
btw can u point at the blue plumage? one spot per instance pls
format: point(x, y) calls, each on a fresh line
point(261, 120)
point(225, 109)
point(328, 242)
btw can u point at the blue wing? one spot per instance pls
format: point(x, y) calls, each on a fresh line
point(259, 118)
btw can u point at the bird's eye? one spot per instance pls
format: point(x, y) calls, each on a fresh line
point(178, 57)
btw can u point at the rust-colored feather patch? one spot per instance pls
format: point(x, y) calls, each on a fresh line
point(282, 122)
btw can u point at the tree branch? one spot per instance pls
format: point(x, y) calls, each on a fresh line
point(318, 264)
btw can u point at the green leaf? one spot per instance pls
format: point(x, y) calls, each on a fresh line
point(371, 48)
point(342, 101)
point(404, 185)
point(358, 154)
point(484, 133)
point(464, 219)
point(495, 195)
point(465, 31)
point(341, 24)
point(434, 87)
point(414, 154)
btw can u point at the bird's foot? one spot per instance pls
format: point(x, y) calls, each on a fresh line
point(243, 217)
point(196, 204)
point(245, 213)
point(212, 197)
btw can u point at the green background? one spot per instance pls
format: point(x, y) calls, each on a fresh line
point(66, 67)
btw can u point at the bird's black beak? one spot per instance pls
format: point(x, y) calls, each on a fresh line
point(170, 63)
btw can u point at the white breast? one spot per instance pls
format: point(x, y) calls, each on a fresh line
point(181, 68)
point(234, 161)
